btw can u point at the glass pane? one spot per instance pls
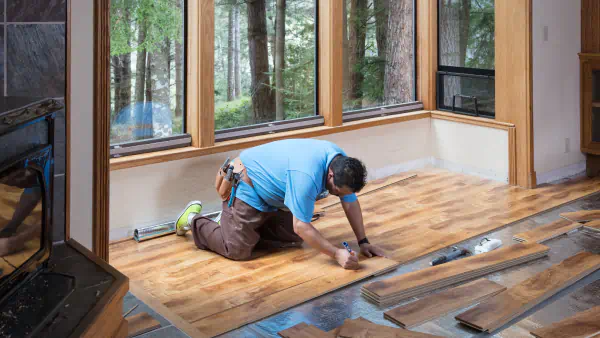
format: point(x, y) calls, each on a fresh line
point(147, 69)
point(466, 33)
point(267, 75)
point(596, 86)
point(481, 88)
point(595, 124)
point(378, 53)
point(20, 218)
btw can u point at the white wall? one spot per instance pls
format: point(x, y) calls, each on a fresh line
point(470, 149)
point(556, 88)
point(156, 193)
point(81, 138)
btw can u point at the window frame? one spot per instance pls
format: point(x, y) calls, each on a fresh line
point(199, 87)
point(466, 72)
point(184, 139)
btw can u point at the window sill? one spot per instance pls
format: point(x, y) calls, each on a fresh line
point(219, 147)
point(477, 121)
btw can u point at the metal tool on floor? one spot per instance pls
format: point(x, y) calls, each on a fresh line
point(455, 254)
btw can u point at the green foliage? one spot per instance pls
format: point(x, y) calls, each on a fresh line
point(161, 20)
point(233, 114)
point(481, 35)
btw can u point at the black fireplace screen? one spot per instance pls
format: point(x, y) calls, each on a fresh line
point(23, 211)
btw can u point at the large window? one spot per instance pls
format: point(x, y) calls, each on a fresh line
point(147, 75)
point(265, 58)
point(379, 53)
point(466, 57)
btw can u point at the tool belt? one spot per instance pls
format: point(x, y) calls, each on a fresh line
point(228, 177)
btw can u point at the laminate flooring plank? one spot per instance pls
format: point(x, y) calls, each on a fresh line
point(547, 231)
point(304, 330)
point(502, 308)
point(582, 216)
point(453, 271)
point(582, 325)
point(440, 304)
point(141, 323)
point(592, 226)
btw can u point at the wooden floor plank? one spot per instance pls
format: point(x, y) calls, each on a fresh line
point(421, 281)
point(141, 323)
point(592, 226)
point(448, 207)
point(547, 231)
point(361, 327)
point(582, 325)
point(582, 216)
point(440, 304)
point(502, 308)
point(304, 330)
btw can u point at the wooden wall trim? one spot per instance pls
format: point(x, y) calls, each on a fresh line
point(514, 80)
point(100, 195)
point(331, 69)
point(477, 121)
point(512, 156)
point(590, 29)
point(192, 125)
point(427, 53)
point(68, 129)
point(206, 72)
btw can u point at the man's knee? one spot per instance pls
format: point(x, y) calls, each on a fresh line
point(238, 253)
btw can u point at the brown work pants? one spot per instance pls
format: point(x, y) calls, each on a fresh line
point(243, 229)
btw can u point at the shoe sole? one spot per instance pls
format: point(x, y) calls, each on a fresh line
point(181, 232)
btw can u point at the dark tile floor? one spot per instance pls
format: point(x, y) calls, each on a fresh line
point(329, 311)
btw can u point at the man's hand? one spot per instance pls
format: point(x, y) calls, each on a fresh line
point(371, 250)
point(346, 260)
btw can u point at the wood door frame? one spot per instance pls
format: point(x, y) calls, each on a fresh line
point(101, 137)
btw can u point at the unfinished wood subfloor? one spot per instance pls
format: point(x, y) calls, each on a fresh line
point(410, 219)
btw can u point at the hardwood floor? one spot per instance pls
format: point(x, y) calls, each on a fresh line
point(547, 231)
point(410, 219)
point(583, 324)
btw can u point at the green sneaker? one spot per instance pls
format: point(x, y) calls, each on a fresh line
point(181, 224)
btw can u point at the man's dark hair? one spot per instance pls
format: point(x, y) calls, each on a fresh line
point(348, 172)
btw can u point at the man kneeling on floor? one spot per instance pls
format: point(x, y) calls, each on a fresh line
point(273, 202)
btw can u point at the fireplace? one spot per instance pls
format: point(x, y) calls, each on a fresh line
point(47, 289)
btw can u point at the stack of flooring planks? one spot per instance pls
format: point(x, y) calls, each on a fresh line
point(547, 231)
point(507, 305)
point(584, 324)
point(395, 289)
point(582, 216)
point(352, 328)
point(440, 304)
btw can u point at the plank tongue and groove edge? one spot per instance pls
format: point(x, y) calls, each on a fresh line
point(582, 325)
point(507, 305)
point(360, 327)
point(582, 216)
point(440, 304)
point(592, 226)
point(547, 231)
point(435, 277)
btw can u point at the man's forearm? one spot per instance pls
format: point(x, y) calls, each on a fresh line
point(354, 215)
point(314, 238)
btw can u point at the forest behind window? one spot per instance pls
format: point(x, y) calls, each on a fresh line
point(466, 56)
point(147, 69)
point(378, 53)
point(264, 61)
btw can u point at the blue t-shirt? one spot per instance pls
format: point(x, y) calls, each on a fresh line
point(288, 174)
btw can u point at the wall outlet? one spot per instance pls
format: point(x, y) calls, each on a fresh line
point(567, 145)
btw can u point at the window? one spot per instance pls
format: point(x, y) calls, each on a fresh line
point(266, 76)
point(147, 75)
point(466, 57)
point(379, 54)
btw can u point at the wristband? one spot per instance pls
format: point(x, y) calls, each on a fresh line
point(363, 241)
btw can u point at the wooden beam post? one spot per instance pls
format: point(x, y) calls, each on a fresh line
point(427, 52)
point(331, 71)
point(514, 81)
point(100, 190)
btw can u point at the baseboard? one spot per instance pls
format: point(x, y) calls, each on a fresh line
point(460, 168)
point(560, 173)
